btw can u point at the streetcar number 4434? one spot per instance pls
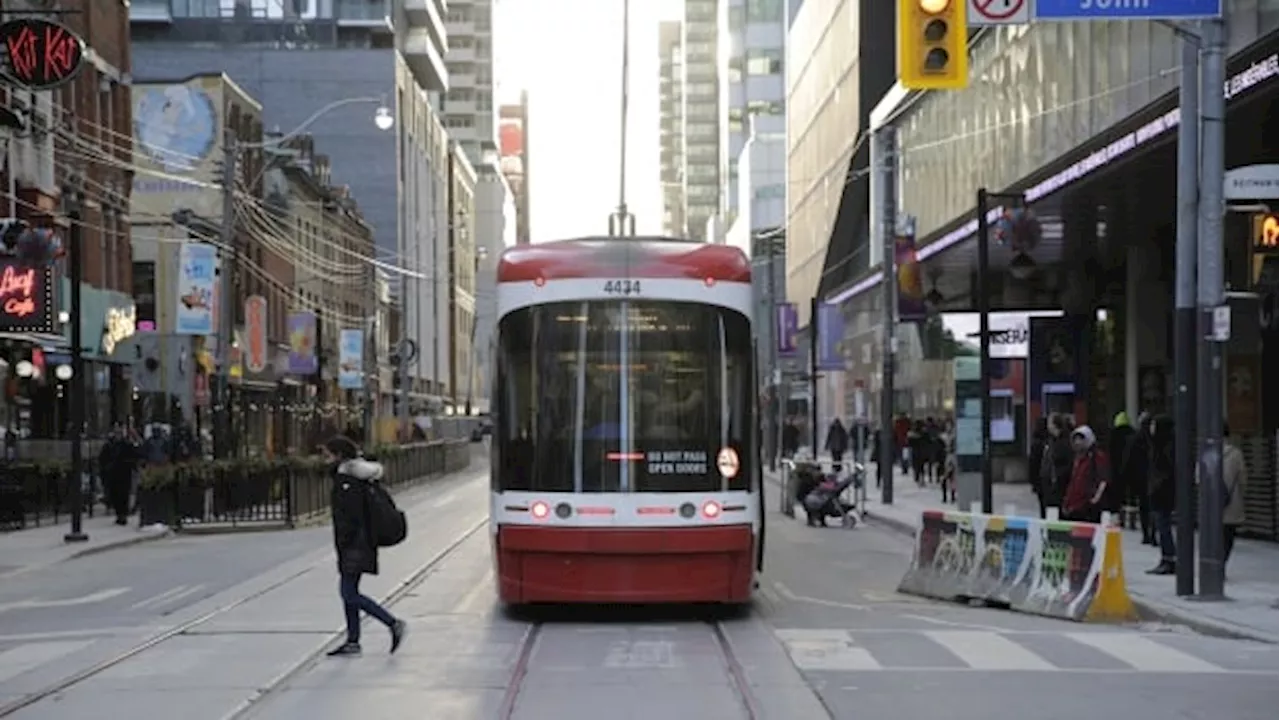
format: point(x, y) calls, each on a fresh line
point(622, 287)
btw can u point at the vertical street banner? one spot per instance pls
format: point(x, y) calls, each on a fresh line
point(197, 277)
point(302, 343)
point(255, 331)
point(788, 323)
point(911, 306)
point(830, 323)
point(351, 359)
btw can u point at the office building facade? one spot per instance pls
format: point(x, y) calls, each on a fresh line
point(704, 108)
point(671, 127)
point(757, 83)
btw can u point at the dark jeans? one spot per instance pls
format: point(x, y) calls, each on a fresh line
point(1228, 542)
point(353, 602)
point(1163, 520)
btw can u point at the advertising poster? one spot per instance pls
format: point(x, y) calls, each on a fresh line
point(255, 324)
point(351, 359)
point(830, 324)
point(302, 343)
point(788, 327)
point(911, 306)
point(197, 275)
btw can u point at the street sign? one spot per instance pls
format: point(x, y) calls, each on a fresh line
point(1127, 9)
point(999, 12)
point(1221, 331)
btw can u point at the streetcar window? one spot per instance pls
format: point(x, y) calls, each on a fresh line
point(609, 396)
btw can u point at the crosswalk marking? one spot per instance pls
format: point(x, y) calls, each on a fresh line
point(827, 650)
point(1143, 654)
point(988, 651)
point(926, 650)
point(29, 656)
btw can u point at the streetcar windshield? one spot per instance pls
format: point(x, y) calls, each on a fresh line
point(624, 396)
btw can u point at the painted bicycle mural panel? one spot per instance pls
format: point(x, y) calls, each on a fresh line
point(1060, 569)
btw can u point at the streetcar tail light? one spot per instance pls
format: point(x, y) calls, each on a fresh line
point(539, 510)
point(539, 281)
point(711, 510)
point(709, 281)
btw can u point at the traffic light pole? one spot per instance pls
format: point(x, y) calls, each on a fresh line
point(1211, 296)
point(1184, 327)
point(883, 211)
point(226, 298)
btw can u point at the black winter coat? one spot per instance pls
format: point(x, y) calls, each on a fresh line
point(353, 537)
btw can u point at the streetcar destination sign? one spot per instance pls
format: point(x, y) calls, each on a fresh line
point(1126, 9)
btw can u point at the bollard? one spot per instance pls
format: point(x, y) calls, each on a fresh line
point(1051, 514)
point(1107, 519)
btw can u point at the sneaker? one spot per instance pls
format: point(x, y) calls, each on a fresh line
point(349, 649)
point(398, 630)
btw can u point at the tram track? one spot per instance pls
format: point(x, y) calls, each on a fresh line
point(732, 666)
point(246, 709)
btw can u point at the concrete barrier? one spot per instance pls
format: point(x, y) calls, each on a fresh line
point(1068, 570)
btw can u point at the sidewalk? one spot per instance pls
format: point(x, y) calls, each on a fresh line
point(1252, 576)
point(38, 547)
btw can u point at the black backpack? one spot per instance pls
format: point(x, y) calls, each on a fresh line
point(390, 527)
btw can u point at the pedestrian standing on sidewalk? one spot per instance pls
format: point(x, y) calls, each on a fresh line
point(837, 441)
point(1087, 491)
point(1163, 492)
point(355, 541)
point(1233, 481)
point(117, 462)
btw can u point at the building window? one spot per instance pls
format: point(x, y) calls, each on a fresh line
point(461, 42)
point(764, 62)
point(737, 18)
point(765, 11)
point(762, 107)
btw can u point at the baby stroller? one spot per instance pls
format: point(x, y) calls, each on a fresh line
point(824, 501)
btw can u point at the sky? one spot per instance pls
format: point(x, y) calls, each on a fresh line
point(567, 54)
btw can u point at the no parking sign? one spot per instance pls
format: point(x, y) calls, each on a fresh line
point(999, 12)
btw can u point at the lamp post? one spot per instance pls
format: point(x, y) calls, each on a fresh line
point(984, 331)
point(75, 270)
point(482, 252)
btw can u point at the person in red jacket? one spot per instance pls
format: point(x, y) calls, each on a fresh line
point(1089, 477)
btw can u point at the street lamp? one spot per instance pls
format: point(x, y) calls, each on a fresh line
point(73, 202)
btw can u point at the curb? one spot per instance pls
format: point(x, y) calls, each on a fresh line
point(127, 542)
point(1149, 610)
point(894, 524)
point(1157, 611)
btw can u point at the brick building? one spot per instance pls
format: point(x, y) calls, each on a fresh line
point(71, 151)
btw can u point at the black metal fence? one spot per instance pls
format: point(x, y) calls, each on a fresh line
point(274, 492)
point(236, 492)
point(38, 492)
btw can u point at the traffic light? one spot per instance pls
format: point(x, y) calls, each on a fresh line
point(933, 44)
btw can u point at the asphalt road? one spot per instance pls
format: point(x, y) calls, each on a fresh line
point(873, 654)
point(828, 638)
point(144, 584)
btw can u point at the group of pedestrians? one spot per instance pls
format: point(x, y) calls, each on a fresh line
point(1136, 470)
point(126, 452)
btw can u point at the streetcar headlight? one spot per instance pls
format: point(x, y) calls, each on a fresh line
point(711, 510)
point(539, 510)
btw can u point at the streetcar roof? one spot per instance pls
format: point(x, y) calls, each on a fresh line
point(637, 257)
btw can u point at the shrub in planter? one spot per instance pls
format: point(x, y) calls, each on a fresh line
point(158, 495)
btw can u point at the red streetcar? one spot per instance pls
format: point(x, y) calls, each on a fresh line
point(624, 458)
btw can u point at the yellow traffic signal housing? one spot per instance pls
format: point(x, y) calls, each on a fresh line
point(933, 44)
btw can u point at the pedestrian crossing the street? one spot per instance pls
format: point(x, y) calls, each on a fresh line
point(959, 650)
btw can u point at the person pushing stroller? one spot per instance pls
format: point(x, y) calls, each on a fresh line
point(823, 500)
